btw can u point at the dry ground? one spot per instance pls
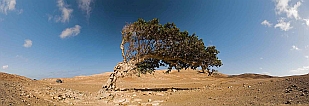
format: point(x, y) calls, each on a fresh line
point(184, 88)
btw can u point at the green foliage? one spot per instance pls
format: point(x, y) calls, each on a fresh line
point(151, 45)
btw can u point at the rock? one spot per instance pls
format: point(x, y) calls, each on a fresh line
point(174, 90)
point(148, 104)
point(244, 84)
point(119, 100)
point(149, 100)
point(160, 94)
point(137, 100)
point(156, 102)
point(61, 97)
point(149, 92)
point(59, 81)
point(288, 102)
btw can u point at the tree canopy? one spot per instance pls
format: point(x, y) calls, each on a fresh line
point(148, 45)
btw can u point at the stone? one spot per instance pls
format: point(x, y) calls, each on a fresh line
point(148, 104)
point(119, 100)
point(137, 100)
point(288, 102)
point(160, 94)
point(61, 97)
point(156, 102)
point(149, 100)
point(59, 81)
point(174, 90)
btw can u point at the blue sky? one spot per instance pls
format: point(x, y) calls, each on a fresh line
point(65, 38)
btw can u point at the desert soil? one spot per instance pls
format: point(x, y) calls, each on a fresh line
point(184, 88)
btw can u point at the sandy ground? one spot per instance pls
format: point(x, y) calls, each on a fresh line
point(184, 88)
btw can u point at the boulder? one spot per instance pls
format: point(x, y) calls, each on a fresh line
point(59, 81)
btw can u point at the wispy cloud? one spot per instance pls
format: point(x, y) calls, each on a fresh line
point(5, 67)
point(306, 21)
point(20, 11)
point(84, 5)
point(284, 26)
point(70, 32)
point(266, 23)
point(50, 17)
point(302, 70)
point(66, 12)
point(282, 6)
point(7, 5)
point(20, 57)
point(28, 43)
point(307, 57)
point(295, 48)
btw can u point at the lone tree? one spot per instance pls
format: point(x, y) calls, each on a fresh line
point(146, 45)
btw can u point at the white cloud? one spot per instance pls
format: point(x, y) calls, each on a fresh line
point(5, 67)
point(307, 21)
point(293, 12)
point(295, 48)
point(265, 73)
point(7, 5)
point(66, 12)
point(28, 43)
point(84, 5)
point(307, 57)
point(284, 26)
point(306, 46)
point(266, 23)
point(261, 58)
point(70, 32)
point(282, 6)
point(302, 70)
